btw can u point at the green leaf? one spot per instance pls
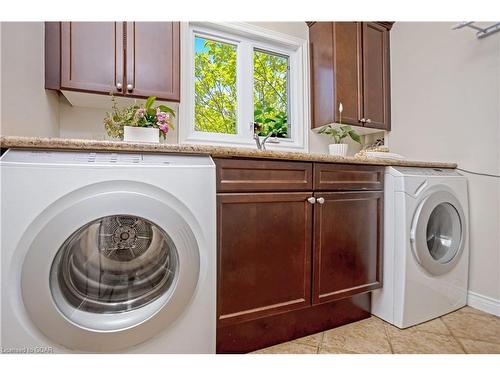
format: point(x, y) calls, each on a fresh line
point(257, 112)
point(149, 102)
point(355, 136)
point(166, 109)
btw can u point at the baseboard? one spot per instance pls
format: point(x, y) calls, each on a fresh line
point(483, 303)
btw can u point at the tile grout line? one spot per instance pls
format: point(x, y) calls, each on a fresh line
point(320, 345)
point(387, 337)
point(454, 337)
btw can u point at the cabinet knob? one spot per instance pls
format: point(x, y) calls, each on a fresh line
point(362, 120)
point(320, 200)
point(311, 200)
point(368, 120)
point(130, 87)
point(119, 86)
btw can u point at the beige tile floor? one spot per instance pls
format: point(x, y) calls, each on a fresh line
point(464, 331)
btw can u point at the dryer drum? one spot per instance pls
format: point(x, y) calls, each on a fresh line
point(115, 264)
point(438, 232)
point(443, 232)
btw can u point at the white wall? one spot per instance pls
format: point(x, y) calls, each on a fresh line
point(26, 108)
point(446, 107)
point(86, 119)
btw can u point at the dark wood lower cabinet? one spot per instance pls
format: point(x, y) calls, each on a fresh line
point(347, 244)
point(264, 254)
point(291, 264)
point(275, 329)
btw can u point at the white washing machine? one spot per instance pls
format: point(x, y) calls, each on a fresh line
point(426, 249)
point(107, 252)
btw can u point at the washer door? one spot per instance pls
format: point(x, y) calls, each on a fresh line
point(438, 232)
point(110, 267)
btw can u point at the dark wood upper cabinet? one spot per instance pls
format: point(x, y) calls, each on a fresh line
point(126, 58)
point(264, 254)
point(350, 65)
point(347, 244)
point(376, 92)
point(322, 73)
point(348, 71)
point(153, 59)
point(85, 56)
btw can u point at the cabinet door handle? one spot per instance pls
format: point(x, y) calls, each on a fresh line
point(311, 200)
point(119, 86)
point(130, 87)
point(320, 200)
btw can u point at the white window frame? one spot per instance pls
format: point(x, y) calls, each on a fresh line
point(246, 37)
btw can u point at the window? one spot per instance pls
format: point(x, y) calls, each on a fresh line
point(239, 80)
point(215, 86)
point(270, 93)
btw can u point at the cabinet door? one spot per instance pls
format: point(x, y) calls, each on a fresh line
point(153, 60)
point(92, 56)
point(347, 244)
point(322, 73)
point(376, 97)
point(348, 59)
point(264, 254)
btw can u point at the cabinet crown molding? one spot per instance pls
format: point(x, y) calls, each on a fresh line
point(386, 24)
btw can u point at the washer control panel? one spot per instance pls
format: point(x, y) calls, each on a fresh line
point(413, 171)
point(102, 158)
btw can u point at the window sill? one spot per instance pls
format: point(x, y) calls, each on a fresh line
point(284, 145)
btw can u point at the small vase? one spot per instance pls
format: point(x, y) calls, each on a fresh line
point(338, 149)
point(138, 134)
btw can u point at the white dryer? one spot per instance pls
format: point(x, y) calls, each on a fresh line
point(426, 248)
point(107, 252)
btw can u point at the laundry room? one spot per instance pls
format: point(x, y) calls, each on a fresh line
point(322, 180)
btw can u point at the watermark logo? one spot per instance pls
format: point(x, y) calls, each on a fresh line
point(28, 350)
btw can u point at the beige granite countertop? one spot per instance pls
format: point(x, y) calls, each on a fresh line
point(214, 151)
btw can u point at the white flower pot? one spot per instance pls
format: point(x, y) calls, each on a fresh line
point(137, 134)
point(338, 149)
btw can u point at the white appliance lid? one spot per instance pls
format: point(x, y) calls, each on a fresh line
point(102, 158)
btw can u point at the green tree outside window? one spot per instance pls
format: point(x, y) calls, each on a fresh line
point(216, 92)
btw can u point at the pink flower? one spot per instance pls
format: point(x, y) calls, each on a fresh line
point(163, 127)
point(162, 117)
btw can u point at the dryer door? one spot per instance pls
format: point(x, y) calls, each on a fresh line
point(438, 232)
point(110, 266)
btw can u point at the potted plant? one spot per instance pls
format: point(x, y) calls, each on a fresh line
point(139, 123)
point(338, 134)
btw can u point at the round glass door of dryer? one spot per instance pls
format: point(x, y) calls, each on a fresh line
point(444, 233)
point(110, 266)
point(438, 232)
point(113, 264)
